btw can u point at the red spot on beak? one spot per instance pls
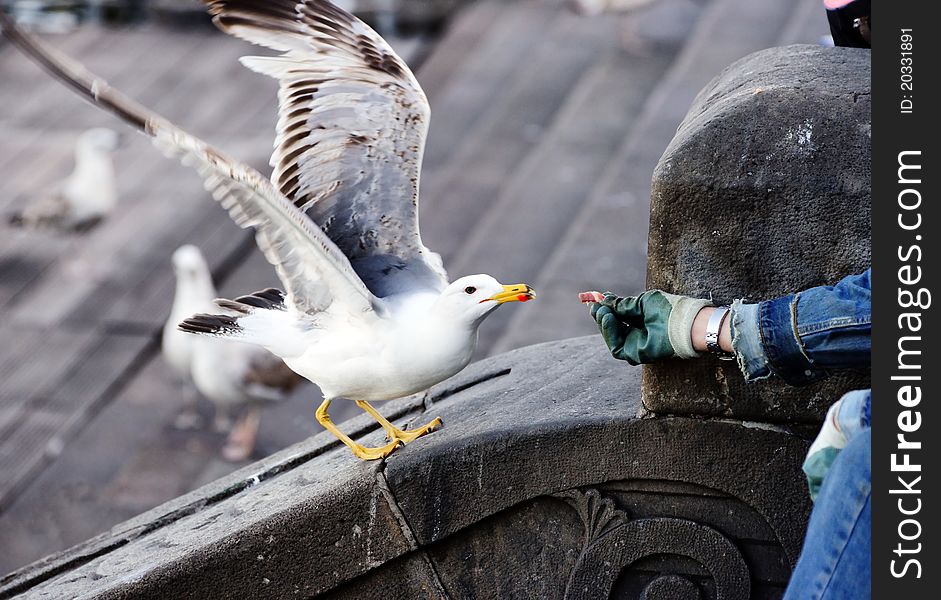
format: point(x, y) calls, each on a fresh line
point(524, 298)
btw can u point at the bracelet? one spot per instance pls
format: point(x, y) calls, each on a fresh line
point(713, 327)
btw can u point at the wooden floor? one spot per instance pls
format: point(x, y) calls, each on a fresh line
point(546, 128)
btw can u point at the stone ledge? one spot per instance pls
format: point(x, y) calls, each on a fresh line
point(560, 418)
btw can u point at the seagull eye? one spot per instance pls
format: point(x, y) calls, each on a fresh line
point(470, 289)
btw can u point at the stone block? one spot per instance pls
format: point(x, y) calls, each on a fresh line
point(763, 191)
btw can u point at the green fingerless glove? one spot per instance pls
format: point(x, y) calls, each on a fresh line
point(647, 328)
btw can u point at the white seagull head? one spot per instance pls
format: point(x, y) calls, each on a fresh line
point(189, 264)
point(473, 297)
point(100, 140)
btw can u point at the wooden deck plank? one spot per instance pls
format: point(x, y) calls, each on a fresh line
point(624, 189)
point(26, 449)
point(486, 72)
point(515, 121)
point(38, 169)
point(538, 206)
point(464, 34)
point(37, 360)
point(113, 357)
point(122, 57)
point(71, 112)
point(17, 67)
point(61, 377)
point(36, 166)
point(24, 257)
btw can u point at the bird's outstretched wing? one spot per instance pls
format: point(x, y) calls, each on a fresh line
point(314, 271)
point(350, 135)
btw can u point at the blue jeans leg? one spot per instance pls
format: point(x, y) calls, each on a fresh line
point(835, 561)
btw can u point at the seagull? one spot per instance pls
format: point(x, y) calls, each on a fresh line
point(367, 312)
point(596, 7)
point(194, 294)
point(232, 375)
point(87, 195)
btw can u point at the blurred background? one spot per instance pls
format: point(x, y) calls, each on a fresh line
point(548, 118)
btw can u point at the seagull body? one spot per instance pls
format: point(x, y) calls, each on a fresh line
point(368, 313)
point(234, 376)
point(87, 195)
point(421, 340)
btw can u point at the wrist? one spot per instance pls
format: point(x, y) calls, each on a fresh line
point(698, 331)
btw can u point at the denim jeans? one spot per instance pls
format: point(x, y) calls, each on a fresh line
point(802, 337)
point(835, 561)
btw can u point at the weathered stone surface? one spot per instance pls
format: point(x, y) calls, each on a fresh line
point(211, 539)
point(764, 191)
point(545, 480)
point(411, 577)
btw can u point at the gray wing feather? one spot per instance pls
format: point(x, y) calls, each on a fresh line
point(350, 134)
point(313, 270)
point(308, 263)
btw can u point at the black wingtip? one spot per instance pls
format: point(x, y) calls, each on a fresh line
point(210, 325)
point(269, 298)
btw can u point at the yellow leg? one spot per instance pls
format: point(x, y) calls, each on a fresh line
point(358, 449)
point(393, 432)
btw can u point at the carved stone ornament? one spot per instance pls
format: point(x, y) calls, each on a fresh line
point(613, 543)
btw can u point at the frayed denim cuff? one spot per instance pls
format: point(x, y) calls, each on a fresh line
point(746, 341)
point(777, 325)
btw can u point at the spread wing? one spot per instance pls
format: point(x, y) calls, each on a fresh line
point(315, 273)
point(350, 134)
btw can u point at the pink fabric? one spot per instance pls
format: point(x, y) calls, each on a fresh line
point(834, 4)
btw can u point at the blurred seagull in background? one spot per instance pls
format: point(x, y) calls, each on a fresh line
point(235, 377)
point(86, 196)
point(194, 294)
point(368, 312)
point(596, 7)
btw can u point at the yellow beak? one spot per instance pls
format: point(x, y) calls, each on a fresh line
point(519, 292)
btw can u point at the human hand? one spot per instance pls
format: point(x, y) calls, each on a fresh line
point(646, 328)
